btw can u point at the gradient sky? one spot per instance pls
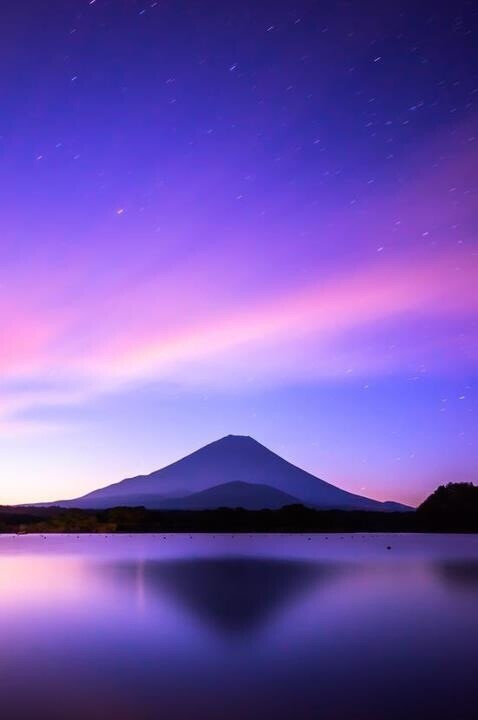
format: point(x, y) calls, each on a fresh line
point(255, 218)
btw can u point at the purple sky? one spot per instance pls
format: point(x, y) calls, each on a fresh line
point(254, 218)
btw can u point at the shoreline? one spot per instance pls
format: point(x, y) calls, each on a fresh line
point(293, 519)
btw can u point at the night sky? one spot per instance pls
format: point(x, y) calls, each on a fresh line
point(255, 218)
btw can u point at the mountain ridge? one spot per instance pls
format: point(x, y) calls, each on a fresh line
point(249, 496)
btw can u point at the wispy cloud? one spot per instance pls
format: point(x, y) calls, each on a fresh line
point(84, 323)
point(263, 340)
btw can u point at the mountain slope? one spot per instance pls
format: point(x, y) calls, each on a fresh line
point(232, 459)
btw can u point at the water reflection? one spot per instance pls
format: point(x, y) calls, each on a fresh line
point(234, 595)
point(460, 575)
point(187, 628)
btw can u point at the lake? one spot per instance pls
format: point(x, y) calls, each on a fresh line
point(228, 627)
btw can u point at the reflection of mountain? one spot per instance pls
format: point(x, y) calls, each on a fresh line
point(228, 468)
point(234, 594)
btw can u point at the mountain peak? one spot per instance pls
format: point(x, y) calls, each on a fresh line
point(236, 437)
point(235, 441)
point(237, 445)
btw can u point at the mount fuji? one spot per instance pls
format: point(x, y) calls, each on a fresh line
point(235, 471)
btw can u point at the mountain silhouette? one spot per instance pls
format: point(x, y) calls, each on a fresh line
point(225, 469)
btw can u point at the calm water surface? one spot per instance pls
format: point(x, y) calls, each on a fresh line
point(229, 627)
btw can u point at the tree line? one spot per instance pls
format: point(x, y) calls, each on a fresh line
point(450, 508)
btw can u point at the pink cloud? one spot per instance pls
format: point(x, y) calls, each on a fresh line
point(327, 313)
point(148, 343)
point(126, 313)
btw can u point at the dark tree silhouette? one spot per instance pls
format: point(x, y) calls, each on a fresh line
point(452, 507)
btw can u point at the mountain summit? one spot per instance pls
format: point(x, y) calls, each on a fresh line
point(235, 471)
